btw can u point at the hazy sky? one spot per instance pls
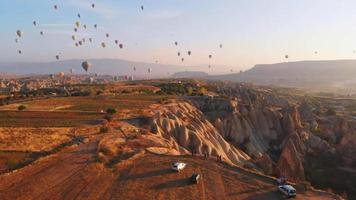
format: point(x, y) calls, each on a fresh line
point(251, 31)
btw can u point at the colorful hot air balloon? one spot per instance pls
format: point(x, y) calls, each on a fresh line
point(19, 33)
point(103, 44)
point(57, 57)
point(95, 26)
point(286, 56)
point(55, 7)
point(73, 37)
point(142, 8)
point(61, 74)
point(93, 5)
point(176, 43)
point(121, 46)
point(189, 53)
point(34, 23)
point(178, 54)
point(77, 24)
point(210, 56)
point(86, 65)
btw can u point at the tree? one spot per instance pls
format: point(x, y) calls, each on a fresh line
point(21, 107)
point(330, 112)
point(111, 111)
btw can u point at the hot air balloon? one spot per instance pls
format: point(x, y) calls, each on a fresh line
point(19, 33)
point(16, 40)
point(189, 53)
point(103, 44)
point(176, 43)
point(178, 54)
point(41, 33)
point(107, 35)
point(20, 52)
point(83, 40)
point(315, 52)
point(78, 15)
point(86, 65)
point(85, 26)
point(76, 44)
point(286, 56)
point(142, 8)
point(77, 24)
point(57, 57)
point(95, 26)
point(116, 42)
point(121, 46)
point(134, 68)
point(210, 56)
point(80, 43)
point(182, 59)
point(220, 46)
point(90, 40)
point(75, 29)
point(149, 70)
point(55, 7)
point(61, 74)
point(34, 23)
point(209, 66)
point(73, 37)
point(93, 5)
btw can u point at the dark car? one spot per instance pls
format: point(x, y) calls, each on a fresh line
point(195, 178)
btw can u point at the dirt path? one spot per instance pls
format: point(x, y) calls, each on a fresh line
point(74, 174)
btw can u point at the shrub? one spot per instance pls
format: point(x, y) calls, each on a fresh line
point(111, 111)
point(104, 129)
point(21, 107)
point(330, 112)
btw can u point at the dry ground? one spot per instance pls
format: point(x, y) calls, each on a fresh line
point(74, 173)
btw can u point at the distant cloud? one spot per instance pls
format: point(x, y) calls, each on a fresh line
point(105, 11)
point(54, 25)
point(163, 15)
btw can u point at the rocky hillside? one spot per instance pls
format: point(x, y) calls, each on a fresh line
point(186, 127)
point(284, 139)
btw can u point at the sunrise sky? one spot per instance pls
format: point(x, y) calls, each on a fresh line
point(251, 31)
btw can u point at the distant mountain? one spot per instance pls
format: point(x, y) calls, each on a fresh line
point(99, 66)
point(302, 73)
point(190, 74)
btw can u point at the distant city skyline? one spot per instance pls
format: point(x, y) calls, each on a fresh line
point(251, 32)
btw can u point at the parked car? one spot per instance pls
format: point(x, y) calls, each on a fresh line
point(178, 166)
point(287, 190)
point(195, 178)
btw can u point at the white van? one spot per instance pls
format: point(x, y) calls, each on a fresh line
point(287, 190)
point(178, 166)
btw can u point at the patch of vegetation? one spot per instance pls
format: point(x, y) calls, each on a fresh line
point(21, 108)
